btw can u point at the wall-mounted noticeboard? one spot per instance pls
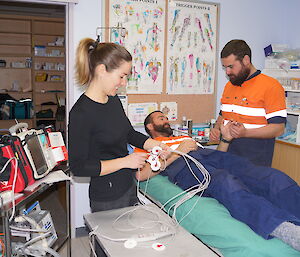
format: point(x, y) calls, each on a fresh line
point(174, 49)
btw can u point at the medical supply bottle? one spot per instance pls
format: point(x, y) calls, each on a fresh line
point(184, 123)
point(184, 127)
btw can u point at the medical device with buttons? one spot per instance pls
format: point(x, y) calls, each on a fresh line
point(37, 145)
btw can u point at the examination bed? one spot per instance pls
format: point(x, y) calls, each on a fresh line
point(211, 222)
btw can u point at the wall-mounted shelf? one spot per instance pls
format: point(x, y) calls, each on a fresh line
point(19, 38)
point(286, 154)
point(290, 80)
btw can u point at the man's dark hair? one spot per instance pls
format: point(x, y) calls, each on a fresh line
point(237, 47)
point(149, 120)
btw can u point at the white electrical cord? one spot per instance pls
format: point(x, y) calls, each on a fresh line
point(28, 248)
point(13, 185)
point(28, 229)
point(36, 226)
point(194, 189)
point(43, 249)
point(92, 240)
point(187, 194)
point(36, 251)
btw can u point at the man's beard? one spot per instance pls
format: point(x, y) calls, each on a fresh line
point(164, 129)
point(241, 77)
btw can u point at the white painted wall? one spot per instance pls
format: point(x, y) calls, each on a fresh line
point(87, 17)
point(259, 22)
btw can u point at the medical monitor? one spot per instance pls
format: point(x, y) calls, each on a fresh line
point(40, 164)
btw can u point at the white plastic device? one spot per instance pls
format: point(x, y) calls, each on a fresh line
point(38, 151)
point(153, 158)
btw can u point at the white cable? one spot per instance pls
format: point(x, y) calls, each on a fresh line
point(36, 251)
point(144, 225)
point(13, 185)
point(92, 240)
point(38, 238)
point(27, 247)
point(32, 222)
point(130, 222)
point(189, 193)
point(46, 249)
point(28, 229)
point(202, 184)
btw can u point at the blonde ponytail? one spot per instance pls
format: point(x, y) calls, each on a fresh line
point(83, 74)
point(90, 53)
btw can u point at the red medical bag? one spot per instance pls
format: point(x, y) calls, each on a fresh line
point(11, 146)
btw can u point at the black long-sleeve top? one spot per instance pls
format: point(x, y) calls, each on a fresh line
point(101, 132)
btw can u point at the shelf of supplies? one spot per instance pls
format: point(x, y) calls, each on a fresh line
point(42, 70)
point(12, 68)
point(46, 56)
point(274, 70)
point(20, 37)
point(14, 32)
point(50, 92)
point(16, 92)
point(59, 47)
point(14, 55)
point(293, 112)
point(292, 90)
point(11, 44)
point(45, 34)
point(41, 105)
point(19, 120)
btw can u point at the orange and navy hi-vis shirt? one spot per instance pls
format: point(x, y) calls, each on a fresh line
point(257, 102)
point(172, 142)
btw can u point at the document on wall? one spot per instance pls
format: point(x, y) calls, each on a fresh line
point(169, 109)
point(139, 26)
point(137, 112)
point(191, 47)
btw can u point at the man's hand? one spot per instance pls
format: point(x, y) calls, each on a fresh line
point(187, 145)
point(225, 131)
point(214, 134)
point(166, 151)
point(237, 130)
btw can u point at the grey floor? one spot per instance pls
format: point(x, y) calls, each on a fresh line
point(80, 248)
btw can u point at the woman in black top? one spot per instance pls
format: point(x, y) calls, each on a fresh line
point(99, 130)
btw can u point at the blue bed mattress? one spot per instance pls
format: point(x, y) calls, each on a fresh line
point(211, 222)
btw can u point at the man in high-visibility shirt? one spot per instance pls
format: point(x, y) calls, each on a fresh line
point(254, 101)
point(266, 199)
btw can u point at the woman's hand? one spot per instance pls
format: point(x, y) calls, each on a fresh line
point(135, 160)
point(150, 143)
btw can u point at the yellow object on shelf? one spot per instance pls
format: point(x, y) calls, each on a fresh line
point(41, 77)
